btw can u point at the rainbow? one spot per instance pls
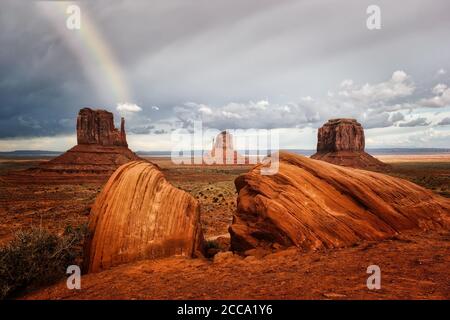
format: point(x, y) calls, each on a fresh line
point(91, 49)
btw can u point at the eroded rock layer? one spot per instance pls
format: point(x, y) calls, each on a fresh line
point(313, 204)
point(340, 135)
point(97, 127)
point(88, 159)
point(139, 215)
point(342, 142)
point(101, 149)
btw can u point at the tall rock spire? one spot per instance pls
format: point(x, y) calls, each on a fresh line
point(123, 136)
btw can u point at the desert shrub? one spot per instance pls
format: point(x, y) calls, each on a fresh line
point(211, 244)
point(36, 257)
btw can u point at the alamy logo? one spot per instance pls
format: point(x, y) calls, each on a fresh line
point(74, 280)
point(73, 22)
point(374, 281)
point(249, 146)
point(373, 21)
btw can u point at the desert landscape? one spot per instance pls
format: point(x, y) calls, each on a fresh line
point(210, 151)
point(279, 261)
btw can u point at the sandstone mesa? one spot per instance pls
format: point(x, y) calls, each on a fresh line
point(101, 149)
point(342, 142)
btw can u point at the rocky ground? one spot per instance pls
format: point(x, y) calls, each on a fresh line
point(212, 186)
point(27, 203)
point(43, 205)
point(413, 266)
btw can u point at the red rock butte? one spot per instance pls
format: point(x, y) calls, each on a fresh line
point(101, 149)
point(97, 127)
point(222, 151)
point(313, 204)
point(342, 142)
point(139, 215)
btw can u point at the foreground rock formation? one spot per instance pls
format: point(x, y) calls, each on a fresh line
point(139, 215)
point(101, 149)
point(312, 204)
point(342, 142)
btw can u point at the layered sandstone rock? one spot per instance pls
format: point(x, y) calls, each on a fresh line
point(97, 127)
point(89, 159)
point(340, 135)
point(313, 204)
point(342, 142)
point(139, 215)
point(101, 149)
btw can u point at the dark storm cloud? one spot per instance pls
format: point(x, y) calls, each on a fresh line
point(221, 55)
point(40, 84)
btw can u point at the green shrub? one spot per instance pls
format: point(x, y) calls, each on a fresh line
point(36, 257)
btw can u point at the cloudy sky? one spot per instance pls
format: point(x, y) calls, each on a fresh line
point(287, 65)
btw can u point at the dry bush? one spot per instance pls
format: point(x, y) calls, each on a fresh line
point(36, 257)
point(212, 244)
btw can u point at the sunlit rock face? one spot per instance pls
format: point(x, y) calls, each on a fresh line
point(140, 215)
point(313, 204)
point(342, 142)
point(97, 127)
point(340, 135)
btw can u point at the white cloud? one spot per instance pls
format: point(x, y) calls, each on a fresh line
point(441, 72)
point(261, 114)
point(418, 122)
point(397, 116)
point(376, 120)
point(412, 137)
point(444, 122)
point(398, 86)
point(439, 88)
point(204, 109)
point(399, 76)
point(231, 115)
point(128, 107)
point(347, 83)
point(441, 98)
point(155, 108)
point(55, 143)
point(371, 104)
point(263, 104)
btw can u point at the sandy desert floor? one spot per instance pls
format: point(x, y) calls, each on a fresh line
point(414, 265)
point(417, 158)
point(429, 171)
